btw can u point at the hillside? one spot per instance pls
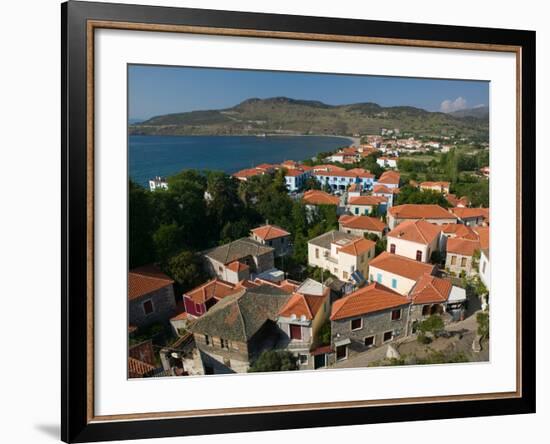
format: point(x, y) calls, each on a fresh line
point(282, 115)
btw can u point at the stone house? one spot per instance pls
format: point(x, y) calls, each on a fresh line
point(396, 272)
point(414, 239)
point(239, 260)
point(342, 254)
point(432, 213)
point(272, 236)
point(361, 225)
point(300, 320)
point(234, 332)
point(150, 297)
point(460, 256)
point(369, 317)
point(433, 295)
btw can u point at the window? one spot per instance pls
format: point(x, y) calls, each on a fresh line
point(371, 278)
point(392, 248)
point(396, 315)
point(345, 274)
point(379, 277)
point(425, 310)
point(357, 324)
point(295, 332)
point(356, 210)
point(453, 260)
point(206, 339)
point(220, 269)
point(224, 343)
point(362, 258)
point(352, 268)
point(463, 262)
point(341, 352)
point(419, 255)
point(198, 308)
point(303, 359)
point(335, 271)
point(148, 307)
point(484, 266)
point(369, 341)
point(316, 253)
point(388, 336)
point(394, 283)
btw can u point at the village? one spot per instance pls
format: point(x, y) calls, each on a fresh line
point(391, 283)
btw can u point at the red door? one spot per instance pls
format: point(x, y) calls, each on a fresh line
point(295, 332)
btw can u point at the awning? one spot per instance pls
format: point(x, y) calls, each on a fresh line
point(342, 342)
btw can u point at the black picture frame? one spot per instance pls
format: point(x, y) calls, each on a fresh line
point(76, 425)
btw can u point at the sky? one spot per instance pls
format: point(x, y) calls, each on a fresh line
point(157, 90)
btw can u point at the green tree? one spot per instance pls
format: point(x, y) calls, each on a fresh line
point(482, 319)
point(140, 226)
point(186, 269)
point(325, 333)
point(167, 241)
point(432, 325)
point(274, 361)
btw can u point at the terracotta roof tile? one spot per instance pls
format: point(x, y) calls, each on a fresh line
point(145, 280)
point(367, 200)
point(401, 266)
point(483, 235)
point(267, 232)
point(358, 247)
point(237, 266)
point(362, 222)
point(216, 288)
point(431, 289)
point(420, 211)
point(375, 297)
point(389, 177)
point(138, 369)
point(317, 197)
point(302, 305)
point(419, 231)
point(464, 213)
point(464, 247)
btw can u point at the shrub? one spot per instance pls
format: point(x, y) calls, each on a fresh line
point(274, 361)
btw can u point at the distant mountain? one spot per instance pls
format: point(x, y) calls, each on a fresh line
point(283, 115)
point(479, 112)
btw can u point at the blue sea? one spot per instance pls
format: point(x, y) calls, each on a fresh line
point(151, 156)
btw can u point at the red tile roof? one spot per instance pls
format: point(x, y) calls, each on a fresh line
point(401, 266)
point(459, 230)
point(362, 222)
point(419, 231)
point(483, 235)
point(370, 299)
point(367, 200)
point(216, 288)
point(138, 369)
point(325, 168)
point(389, 177)
point(465, 213)
point(383, 189)
point(464, 247)
point(267, 232)
point(455, 201)
point(237, 266)
point(361, 172)
point(248, 172)
point(317, 197)
point(357, 247)
point(420, 211)
point(303, 305)
point(430, 289)
point(435, 184)
point(145, 280)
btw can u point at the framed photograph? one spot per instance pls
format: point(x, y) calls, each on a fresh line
point(275, 221)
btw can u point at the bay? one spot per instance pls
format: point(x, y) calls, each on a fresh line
point(150, 156)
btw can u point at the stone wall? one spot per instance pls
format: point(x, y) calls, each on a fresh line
point(164, 305)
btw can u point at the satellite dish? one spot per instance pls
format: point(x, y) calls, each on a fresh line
point(175, 355)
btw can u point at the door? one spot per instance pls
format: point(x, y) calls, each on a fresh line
point(319, 361)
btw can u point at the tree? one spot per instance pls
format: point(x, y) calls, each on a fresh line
point(325, 333)
point(411, 195)
point(274, 361)
point(140, 226)
point(432, 325)
point(167, 241)
point(482, 319)
point(186, 269)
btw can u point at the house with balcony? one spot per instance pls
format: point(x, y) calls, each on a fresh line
point(339, 179)
point(414, 239)
point(344, 255)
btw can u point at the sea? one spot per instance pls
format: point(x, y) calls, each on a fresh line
point(151, 156)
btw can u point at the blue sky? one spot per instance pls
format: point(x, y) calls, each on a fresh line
point(156, 90)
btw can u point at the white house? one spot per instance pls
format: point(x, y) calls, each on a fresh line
point(341, 254)
point(397, 272)
point(295, 178)
point(485, 268)
point(158, 183)
point(363, 205)
point(387, 162)
point(339, 179)
point(430, 212)
point(414, 239)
